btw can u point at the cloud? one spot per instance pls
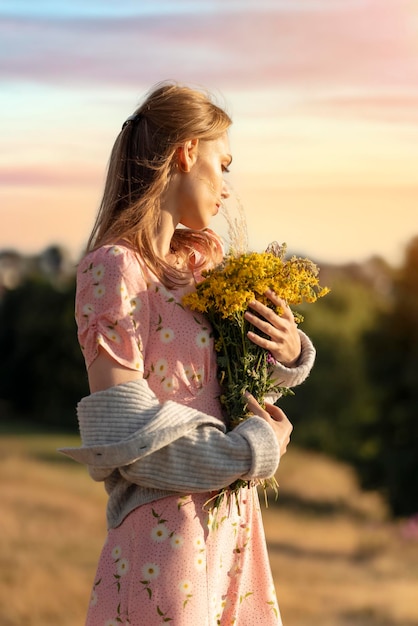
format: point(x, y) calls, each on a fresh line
point(367, 43)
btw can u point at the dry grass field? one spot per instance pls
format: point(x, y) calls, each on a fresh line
point(337, 559)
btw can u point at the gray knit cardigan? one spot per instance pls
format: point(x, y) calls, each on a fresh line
point(144, 450)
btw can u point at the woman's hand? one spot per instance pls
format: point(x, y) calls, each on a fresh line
point(276, 418)
point(284, 343)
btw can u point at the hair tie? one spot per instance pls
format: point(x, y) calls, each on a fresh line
point(132, 119)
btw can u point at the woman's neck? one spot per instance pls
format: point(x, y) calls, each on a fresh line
point(163, 236)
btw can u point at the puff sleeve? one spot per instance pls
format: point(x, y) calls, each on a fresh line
point(112, 306)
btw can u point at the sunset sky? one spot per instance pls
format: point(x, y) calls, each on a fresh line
point(323, 93)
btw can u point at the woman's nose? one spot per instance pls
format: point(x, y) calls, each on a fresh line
point(225, 191)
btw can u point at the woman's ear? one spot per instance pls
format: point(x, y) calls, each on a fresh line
point(187, 155)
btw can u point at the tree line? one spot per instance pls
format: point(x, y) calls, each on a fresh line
point(359, 404)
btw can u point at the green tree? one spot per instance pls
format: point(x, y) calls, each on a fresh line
point(42, 373)
point(333, 409)
point(392, 349)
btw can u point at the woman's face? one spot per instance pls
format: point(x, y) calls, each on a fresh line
point(203, 188)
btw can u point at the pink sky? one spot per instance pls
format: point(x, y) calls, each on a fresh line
point(323, 94)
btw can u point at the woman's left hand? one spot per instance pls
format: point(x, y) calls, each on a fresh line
point(284, 343)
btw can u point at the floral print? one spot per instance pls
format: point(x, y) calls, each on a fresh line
point(166, 335)
point(170, 561)
point(203, 338)
point(159, 533)
point(178, 573)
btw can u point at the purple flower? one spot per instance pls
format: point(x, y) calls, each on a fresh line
point(270, 359)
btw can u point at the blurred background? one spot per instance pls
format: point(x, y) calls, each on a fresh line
point(324, 95)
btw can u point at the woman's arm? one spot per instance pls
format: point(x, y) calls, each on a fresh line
point(209, 458)
point(179, 457)
point(171, 446)
point(106, 372)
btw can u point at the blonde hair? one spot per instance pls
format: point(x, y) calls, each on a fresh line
point(141, 164)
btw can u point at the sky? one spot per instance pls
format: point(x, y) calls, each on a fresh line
point(323, 95)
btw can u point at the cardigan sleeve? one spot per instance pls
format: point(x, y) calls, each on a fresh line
point(208, 459)
point(293, 376)
point(168, 446)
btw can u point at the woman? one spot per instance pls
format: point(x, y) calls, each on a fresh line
point(152, 427)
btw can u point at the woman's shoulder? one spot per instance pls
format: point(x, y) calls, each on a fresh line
point(116, 266)
point(119, 257)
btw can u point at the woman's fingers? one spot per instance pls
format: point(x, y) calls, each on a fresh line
point(281, 425)
point(277, 419)
point(281, 337)
point(269, 313)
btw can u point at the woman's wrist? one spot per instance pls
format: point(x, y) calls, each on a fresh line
point(293, 363)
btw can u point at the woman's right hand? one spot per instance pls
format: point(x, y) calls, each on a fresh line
point(276, 418)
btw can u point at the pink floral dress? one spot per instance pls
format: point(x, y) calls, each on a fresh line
point(170, 561)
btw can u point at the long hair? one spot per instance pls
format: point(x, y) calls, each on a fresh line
point(141, 164)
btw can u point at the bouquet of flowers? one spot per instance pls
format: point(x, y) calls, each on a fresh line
point(223, 297)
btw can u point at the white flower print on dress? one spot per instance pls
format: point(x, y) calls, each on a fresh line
point(200, 561)
point(202, 339)
point(115, 251)
point(159, 533)
point(98, 272)
point(121, 290)
point(185, 586)
point(112, 622)
point(169, 384)
point(198, 376)
point(116, 553)
point(112, 335)
point(150, 571)
point(99, 291)
point(166, 335)
point(176, 541)
point(88, 309)
point(122, 567)
point(161, 367)
point(138, 364)
point(198, 543)
point(136, 304)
